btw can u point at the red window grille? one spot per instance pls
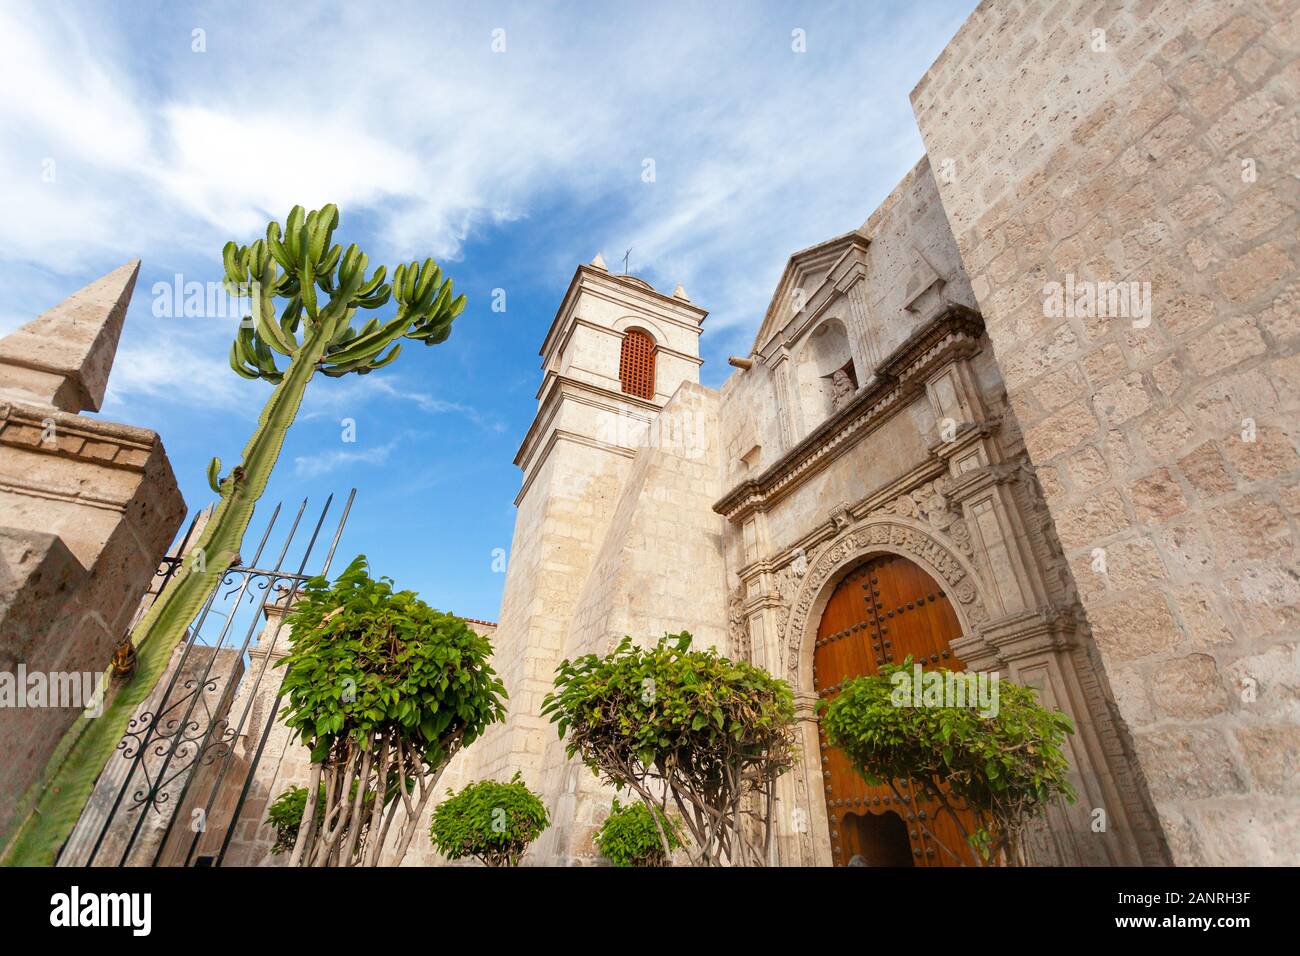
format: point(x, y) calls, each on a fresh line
point(636, 364)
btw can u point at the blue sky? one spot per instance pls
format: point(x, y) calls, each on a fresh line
point(122, 140)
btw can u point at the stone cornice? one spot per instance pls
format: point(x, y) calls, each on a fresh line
point(555, 438)
point(622, 290)
point(556, 386)
point(49, 431)
point(616, 333)
point(954, 333)
point(559, 389)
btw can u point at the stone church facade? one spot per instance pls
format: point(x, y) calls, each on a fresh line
point(734, 514)
point(1105, 506)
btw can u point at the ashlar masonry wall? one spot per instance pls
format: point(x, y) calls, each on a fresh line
point(1153, 143)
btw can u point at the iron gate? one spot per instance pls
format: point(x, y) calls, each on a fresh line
point(176, 790)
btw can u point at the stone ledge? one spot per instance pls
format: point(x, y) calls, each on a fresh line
point(75, 436)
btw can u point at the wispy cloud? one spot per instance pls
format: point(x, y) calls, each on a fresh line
point(352, 392)
point(313, 466)
point(182, 371)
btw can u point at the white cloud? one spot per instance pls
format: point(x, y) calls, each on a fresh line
point(179, 370)
point(214, 172)
point(418, 129)
point(313, 466)
point(353, 391)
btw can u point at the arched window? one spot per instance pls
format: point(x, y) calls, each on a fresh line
point(636, 364)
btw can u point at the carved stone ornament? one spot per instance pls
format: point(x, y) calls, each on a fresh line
point(929, 504)
point(738, 624)
point(904, 526)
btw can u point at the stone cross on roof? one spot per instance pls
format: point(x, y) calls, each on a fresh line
point(62, 358)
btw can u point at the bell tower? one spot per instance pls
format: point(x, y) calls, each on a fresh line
point(615, 353)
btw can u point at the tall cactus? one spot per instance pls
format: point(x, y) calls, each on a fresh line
point(323, 286)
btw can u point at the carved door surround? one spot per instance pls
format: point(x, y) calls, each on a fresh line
point(960, 517)
point(1038, 647)
point(958, 530)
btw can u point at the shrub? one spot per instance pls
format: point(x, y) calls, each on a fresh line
point(629, 836)
point(709, 733)
point(1002, 767)
point(285, 815)
point(384, 690)
point(491, 821)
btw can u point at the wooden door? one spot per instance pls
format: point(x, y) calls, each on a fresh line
point(881, 613)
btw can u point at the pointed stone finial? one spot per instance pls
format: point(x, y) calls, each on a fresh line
point(599, 263)
point(63, 357)
point(680, 293)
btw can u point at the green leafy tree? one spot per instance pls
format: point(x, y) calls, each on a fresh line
point(305, 291)
point(384, 690)
point(1002, 768)
point(493, 822)
point(708, 733)
point(630, 835)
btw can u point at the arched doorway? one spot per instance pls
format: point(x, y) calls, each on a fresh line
point(882, 612)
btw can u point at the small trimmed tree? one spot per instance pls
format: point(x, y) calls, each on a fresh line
point(1002, 768)
point(630, 835)
point(384, 690)
point(708, 733)
point(493, 822)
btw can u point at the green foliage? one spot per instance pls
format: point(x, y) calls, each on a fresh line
point(669, 704)
point(285, 814)
point(711, 730)
point(1004, 767)
point(491, 821)
point(367, 660)
point(629, 836)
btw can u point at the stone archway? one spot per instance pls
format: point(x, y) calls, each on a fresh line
point(886, 611)
point(902, 536)
point(939, 554)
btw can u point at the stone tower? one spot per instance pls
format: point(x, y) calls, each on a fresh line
point(574, 459)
